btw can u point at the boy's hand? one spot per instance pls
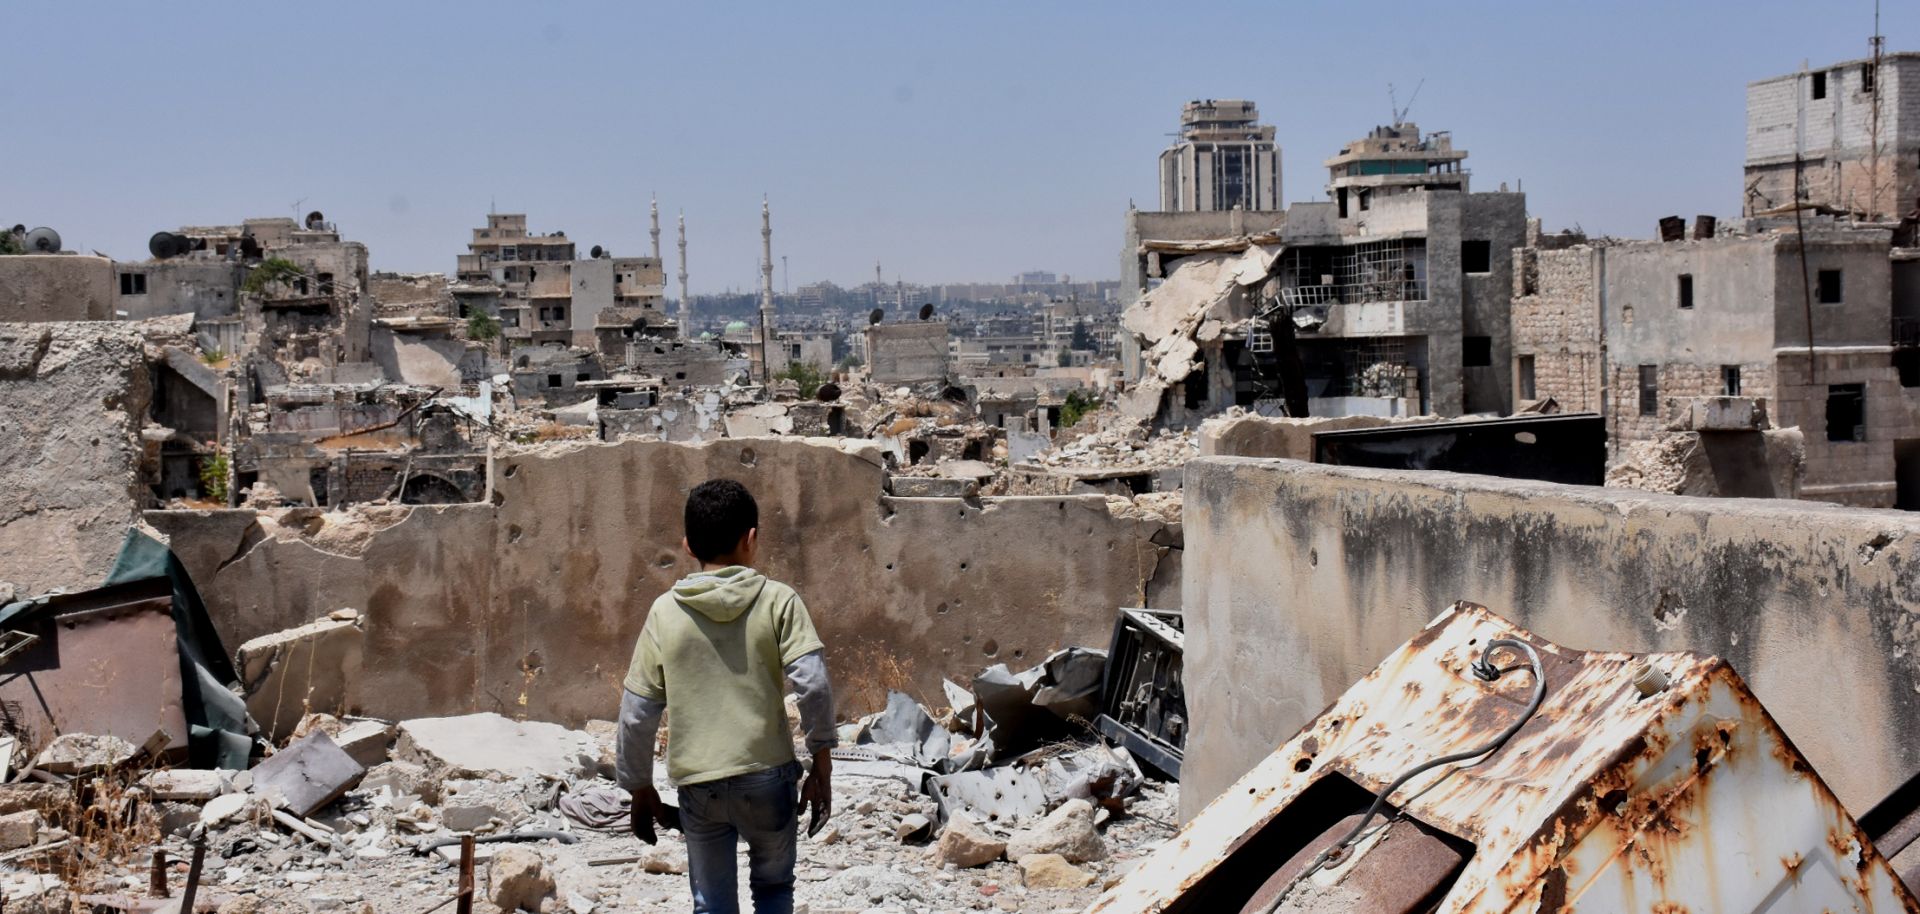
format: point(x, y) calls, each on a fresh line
point(645, 811)
point(817, 792)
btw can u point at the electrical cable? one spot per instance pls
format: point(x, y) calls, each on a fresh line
point(1486, 672)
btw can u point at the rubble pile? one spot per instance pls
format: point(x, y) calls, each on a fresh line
point(998, 802)
point(1116, 441)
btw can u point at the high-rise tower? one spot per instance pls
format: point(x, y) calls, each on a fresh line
point(1225, 158)
point(655, 213)
point(686, 301)
point(766, 291)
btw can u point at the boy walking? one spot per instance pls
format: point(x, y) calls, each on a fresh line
point(718, 651)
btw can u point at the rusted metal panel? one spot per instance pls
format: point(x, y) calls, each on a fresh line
point(107, 662)
point(1607, 800)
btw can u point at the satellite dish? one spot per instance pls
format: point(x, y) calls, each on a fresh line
point(19, 229)
point(639, 324)
point(827, 393)
point(249, 246)
point(43, 240)
point(877, 314)
point(316, 219)
point(926, 311)
point(166, 244)
point(596, 252)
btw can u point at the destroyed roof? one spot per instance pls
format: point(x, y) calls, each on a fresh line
point(1211, 245)
point(1196, 304)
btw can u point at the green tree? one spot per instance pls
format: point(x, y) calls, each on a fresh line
point(806, 374)
point(213, 477)
point(1066, 358)
point(11, 243)
point(1082, 340)
point(1079, 403)
point(850, 362)
point(483, 327)
point(270, 271)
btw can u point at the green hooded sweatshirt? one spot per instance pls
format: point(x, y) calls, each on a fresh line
point(715, 648)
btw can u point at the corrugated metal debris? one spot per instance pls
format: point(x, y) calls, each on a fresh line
point(1643, 782)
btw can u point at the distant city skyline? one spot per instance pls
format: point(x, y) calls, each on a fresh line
point(959, 144)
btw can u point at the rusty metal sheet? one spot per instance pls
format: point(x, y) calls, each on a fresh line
point(1687, 799)
point(108, 663)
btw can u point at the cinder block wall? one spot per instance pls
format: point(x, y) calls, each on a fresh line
point(1299, 578)
point(529, 606)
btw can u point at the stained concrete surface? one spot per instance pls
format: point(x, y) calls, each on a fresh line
point(73, 397)
point(1300, 578)
point(530, 605)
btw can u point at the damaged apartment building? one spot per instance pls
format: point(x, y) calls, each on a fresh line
point(1389, 298)
point(1799, 315)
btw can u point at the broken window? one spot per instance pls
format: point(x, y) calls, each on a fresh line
point(1526, 377)
point(1730, 380)
point(1846, 412)
point(1341, 195)
point(1476, 351)
point(1866, 79)
point(1820, 85)
point(1829, 287)
point(582, 376)
point(326, 284)
point(133, 284)
point(1366, 200)
point(1686, 291)
point(553, 380)
point(1476, 256)
point(1649, 390)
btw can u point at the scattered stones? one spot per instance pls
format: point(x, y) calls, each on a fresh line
point(1067, 831)
point(1051, 871)
point(964, 843)
point(520, 879)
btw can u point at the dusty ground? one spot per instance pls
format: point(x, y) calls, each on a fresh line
point(856, 865)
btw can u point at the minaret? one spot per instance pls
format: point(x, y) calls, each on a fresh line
point(686, 302)
point(656, 227)
point(766, 291)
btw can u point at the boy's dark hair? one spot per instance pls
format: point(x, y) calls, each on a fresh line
point(719, 513)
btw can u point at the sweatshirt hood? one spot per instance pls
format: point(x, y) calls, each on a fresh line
point(722, 594)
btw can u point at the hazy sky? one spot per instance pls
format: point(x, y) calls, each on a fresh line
point(949, 141)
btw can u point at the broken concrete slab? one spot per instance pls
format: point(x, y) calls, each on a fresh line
point(307, 775)
point(367, 740)
point(19, 829)
point(1051, 871)
point(490, 746)
point(83, 753)
point(306, 669)
point(187, 784)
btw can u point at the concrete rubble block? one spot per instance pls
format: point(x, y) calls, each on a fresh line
point(309, 668)
point(19, 829)
point(403, 779)
point(663, 860)
point(1067, 831)
point(457, 816)
point(307, 775)
point(243, 904)
point(34, 795)
point(1051, 871)
point(520, 879)
point(964, 843)
point(35, 893)
point(368, 741)
point(82, 753)
point(913, 827)
point(932, 487)
point(492, 747)
point(191, 785)
point(233, 807)
point(967, 469)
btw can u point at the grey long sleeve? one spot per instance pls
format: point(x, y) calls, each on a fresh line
point(813, 692)
point(634, 740)
point(639, 723)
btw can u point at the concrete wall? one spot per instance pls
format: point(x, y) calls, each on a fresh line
point(56, 287)
point(1299, 578)
point(1556, 322)
point(206, 288)
point(530, 604)
point(73, 397)
point(907, 352)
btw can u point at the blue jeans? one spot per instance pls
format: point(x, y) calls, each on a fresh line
point(761, 807)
